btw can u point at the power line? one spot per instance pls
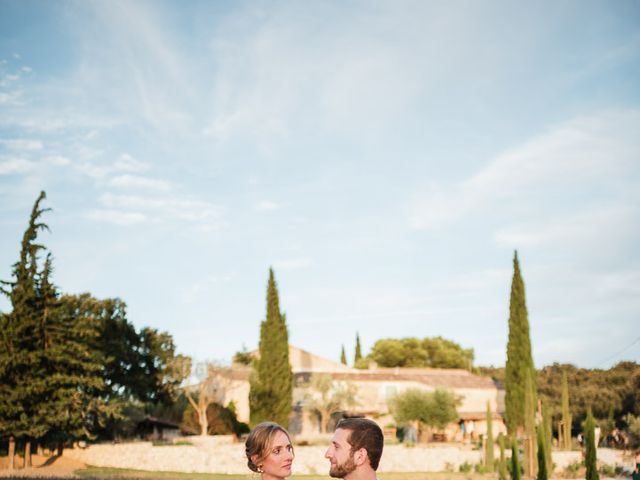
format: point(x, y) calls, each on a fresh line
point(620, 352)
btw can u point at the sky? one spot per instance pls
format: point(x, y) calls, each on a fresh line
point(386, 158)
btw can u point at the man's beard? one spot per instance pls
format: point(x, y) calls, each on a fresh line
point(341, 471)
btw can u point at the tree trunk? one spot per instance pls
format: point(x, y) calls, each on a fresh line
point(60, 448)
point(323, 421)
point(204, 421)
point(27, 452)
point(12, 452)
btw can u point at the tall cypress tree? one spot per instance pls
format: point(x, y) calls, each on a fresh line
point(530, 438)
point(519, 357)
point(21, 379)
point(590, 460)
point(502, 465)
point(358, 353)
point(343, 356)
point(566, 413)
point(488, 456)
point(515, 460)
point(543, 473)
point(270, 397)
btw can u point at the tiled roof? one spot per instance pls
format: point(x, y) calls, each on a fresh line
point(433, 377)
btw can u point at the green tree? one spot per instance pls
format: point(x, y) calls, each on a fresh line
point(590, 460)
point(421, 408)
point(548, 437)
point(343, 356)
point(326, 397)
point(566, 414)
point(271, 390)
point(530, 438)
point(502, 465)
point(489, 446)
point(22, 385)
point(358, 351)
point(543, 473)
point(519, 358)
point(515, 460)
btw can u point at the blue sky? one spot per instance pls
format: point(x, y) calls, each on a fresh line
point(386, 158)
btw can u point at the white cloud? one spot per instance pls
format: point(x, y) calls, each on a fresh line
point(267, 205)
point(584, 151)
point(22, 144)
point(127, 163)
point(167, 209)
point(586, 229)
point(57, 160)
point(10, 166)
point(117, 217)
point(138, 182)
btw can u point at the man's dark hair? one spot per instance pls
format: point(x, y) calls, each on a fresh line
point(364, 433)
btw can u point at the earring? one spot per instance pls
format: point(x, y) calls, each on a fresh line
point(260, 469)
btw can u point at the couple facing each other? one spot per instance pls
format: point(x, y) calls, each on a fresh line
point(354, 453)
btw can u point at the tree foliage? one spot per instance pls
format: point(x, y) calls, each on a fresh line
point(271, 389)
point(63, 366)
point(489, 446)
point(590, 460)
point(357, 356)
point(326, 397)
point(433, 409)
point(343, 356)
point(434, 352)
point(519, 358)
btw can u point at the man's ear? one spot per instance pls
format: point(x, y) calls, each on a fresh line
point(361, 457)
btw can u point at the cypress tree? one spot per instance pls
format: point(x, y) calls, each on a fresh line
point(548, 438)
point(590, 459)
point(566, 413)
point(502, 465)
point(519, 358)
point(543, 473)
point(530, 438)
point(515, 461)
point(270, 396)
point(358, 354)
point(343, 356)
point(21, 379)
point(488, 456)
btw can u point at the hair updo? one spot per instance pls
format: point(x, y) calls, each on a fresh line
point(259, 442)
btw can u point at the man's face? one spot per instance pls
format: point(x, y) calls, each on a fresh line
point(340, 455)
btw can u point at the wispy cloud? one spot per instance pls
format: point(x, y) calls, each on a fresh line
point(117, 217)
point(580, 152)
point(9, 166)
point(267, 205)
point(162, 209)
point(139, 182)
point(22, 144)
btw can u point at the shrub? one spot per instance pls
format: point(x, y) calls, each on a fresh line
point(465, 467)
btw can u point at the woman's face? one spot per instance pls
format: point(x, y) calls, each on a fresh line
point(277, 463)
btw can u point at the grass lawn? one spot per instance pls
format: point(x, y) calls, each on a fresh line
point(121, 473)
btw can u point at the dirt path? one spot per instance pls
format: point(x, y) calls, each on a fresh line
point(44, 467)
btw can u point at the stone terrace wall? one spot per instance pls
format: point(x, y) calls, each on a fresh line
point(207, 455)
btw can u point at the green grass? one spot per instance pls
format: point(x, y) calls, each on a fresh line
point(103, 473)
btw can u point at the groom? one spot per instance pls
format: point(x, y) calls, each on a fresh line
point(356, 448)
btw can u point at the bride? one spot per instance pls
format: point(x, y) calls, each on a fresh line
point(269, 451)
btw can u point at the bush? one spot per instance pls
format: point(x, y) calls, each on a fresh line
point(465, 467)
point(607, 470)
point(480, 468)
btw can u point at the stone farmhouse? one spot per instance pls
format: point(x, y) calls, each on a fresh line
point(373, 388)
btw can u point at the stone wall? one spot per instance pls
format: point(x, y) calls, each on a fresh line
point(220, 455)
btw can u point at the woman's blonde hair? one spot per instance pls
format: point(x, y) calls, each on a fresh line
point(259, 442)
